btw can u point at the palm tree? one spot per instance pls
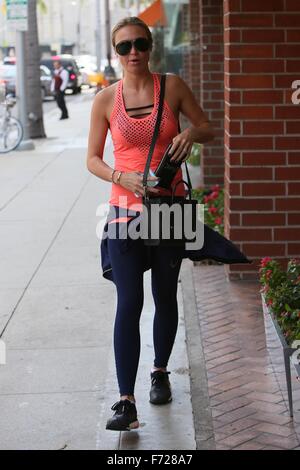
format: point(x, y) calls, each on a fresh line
point(35, 106)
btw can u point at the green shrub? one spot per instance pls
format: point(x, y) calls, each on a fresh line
point(281, 290)
point(195, 156)
point(213, 201)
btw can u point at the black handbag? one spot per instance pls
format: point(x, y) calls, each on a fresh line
point(167, 220)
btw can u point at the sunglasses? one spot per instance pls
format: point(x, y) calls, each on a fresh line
point(140, 44)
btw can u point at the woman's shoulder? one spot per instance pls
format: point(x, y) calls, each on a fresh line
point(104, 99)
point(172, 80)
point(105, 95)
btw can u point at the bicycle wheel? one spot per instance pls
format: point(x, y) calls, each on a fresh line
point(11, 134)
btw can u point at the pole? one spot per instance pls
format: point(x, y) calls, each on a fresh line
point(127, 7)
point(107, 30)
point(98, 35)
point(26, 143)
point(78, 27)
point(138, 7)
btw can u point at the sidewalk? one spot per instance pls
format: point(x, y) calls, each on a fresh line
point(57, 312)
point(239, 396)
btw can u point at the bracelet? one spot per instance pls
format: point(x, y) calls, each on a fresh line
point(112, 175)
point(118, 178)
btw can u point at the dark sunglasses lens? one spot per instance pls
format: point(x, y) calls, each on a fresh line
point(123, 48)
point(142, 44)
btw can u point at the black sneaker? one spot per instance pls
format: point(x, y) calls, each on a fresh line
point(160, 392)
point(125, 417)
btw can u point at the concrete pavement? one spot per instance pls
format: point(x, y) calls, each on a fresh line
point(57, 311)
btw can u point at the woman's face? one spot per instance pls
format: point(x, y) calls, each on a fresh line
point(134, 61)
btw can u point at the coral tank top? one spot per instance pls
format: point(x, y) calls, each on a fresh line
point(131, 138)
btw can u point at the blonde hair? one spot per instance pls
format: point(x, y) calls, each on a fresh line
point(131, 21)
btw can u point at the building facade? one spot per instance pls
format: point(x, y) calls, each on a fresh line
point(67, 26)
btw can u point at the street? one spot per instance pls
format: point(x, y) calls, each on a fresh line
point(49, 103)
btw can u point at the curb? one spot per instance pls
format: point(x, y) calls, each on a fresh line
point(203, 423)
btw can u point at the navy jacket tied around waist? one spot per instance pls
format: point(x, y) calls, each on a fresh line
point(215, 247)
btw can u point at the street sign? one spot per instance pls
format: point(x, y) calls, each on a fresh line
point(17, 15)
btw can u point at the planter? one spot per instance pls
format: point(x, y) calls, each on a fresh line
point(271, 327)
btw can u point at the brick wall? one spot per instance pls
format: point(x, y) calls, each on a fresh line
point(204, 72)
point(212, 87)
point(262, 143)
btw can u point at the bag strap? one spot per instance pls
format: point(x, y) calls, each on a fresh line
point(156, 129)
point(186, 167)
point(155, 135)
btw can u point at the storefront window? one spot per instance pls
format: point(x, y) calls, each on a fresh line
point(171, 42)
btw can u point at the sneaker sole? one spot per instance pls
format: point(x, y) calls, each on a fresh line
point(161, 402)
point(133, 425)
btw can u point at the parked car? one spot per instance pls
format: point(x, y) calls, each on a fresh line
point(88, 67)
point(46, 79)
point(91, 76)
point(9, 60)
point(70, 64)
point(8, 74)
point(8, 78)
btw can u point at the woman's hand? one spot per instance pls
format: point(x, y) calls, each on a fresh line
point(134, 182)
point(182, 146)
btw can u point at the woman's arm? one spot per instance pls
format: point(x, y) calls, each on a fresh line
point(200, 131)
point(97, 137)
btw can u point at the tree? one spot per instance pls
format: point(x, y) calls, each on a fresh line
point(35, 105)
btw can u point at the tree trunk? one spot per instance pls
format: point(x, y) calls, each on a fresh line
point(35, 106)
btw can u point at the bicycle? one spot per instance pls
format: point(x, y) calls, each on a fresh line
point(11, 129)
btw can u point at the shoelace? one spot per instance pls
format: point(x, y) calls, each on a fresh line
point(159, 377)
point(120, 406)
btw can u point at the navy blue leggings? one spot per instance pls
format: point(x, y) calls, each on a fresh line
point(128, 275)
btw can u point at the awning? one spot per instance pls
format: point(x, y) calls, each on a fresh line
point(155, 14)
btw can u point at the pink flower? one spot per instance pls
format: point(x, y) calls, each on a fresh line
point(206, 199)
point(265, 261)
point(214, 195)
point(216, 187)
point(268, 274)
point(212, 209)
point(270, 302)
point(218, 220)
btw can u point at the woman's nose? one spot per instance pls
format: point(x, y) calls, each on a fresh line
point(133, 49)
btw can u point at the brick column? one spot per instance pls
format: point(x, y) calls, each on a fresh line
point(212, 87)
point(262, 143)
point(204, 72)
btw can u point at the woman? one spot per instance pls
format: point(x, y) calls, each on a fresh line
point(129, 109)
